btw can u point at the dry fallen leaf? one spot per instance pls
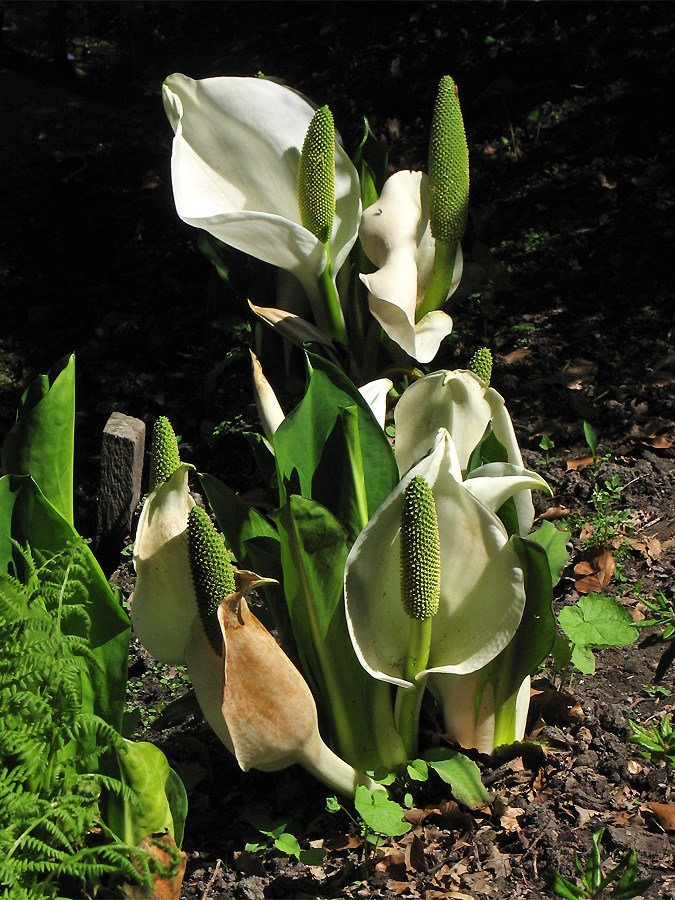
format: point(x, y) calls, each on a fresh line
point(594, 573)
point(414, 856)
point(554, 707)
point(577, 463)
point(162, 888)
point(665, 813)
point(554, 513)
point(509, 818)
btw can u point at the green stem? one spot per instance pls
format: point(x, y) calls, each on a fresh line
point(505, 719)
point(357, 517)
point(409, 700)
point(441, 279)
point(332, 310)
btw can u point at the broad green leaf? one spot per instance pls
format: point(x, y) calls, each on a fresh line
point(34, 521)
point(598, 621)
point(554, 541)
point(162, 801)
point(41, 442)
point(310, 450)
point(288, 843)
point(313, 554)
point(462, 774)
point(418, 770)
point(380, 814)
point(312, 857)
point(582, 659)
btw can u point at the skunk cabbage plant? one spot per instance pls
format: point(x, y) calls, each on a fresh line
point(461, 402)
point(482, 594)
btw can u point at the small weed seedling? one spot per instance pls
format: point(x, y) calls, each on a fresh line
point(592, 440)
point(656, 743)
point(546, 444)
point(276, 835)
point(623, 877)
point(607, 526)
point(379, 817)
point(596, 622)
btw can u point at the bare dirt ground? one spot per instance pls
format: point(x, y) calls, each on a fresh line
point(569, 282)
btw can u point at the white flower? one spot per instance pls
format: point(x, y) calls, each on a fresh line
point(459, 402)
point(471, 715)
point(396, 237)
point(163, 604)
point(234, 170)
point(482, 588)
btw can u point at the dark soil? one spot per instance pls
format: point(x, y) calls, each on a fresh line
point(569, 282)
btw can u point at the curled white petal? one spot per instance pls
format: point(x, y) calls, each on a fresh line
point(163, 604)
point(269, 409)
point(470, 722)
point(375, 395)
point(482, 592)
point(504, 432)
point(396, 236)
point(494, 483)
point(234, 170)
point(451, 400)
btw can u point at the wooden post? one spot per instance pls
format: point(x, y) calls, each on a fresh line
point(122, 454)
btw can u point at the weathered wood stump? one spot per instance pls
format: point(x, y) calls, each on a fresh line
point(122, 452)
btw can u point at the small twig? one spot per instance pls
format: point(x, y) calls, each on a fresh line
point(212, 879)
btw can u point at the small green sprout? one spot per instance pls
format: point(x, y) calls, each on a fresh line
point(658, 743)
point(623, 877)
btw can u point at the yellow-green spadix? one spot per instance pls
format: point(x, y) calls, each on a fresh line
point(482, 593)
point(163, 603)
point(316, 176)
point(251, 694)
point(448, 166)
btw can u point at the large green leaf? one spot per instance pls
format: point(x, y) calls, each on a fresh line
point(314, 451)
point(41, 442)
point(461, 773)
point(27, 515)
point(161, 800)
point(598, 621)
point(355, 708)
point(554, 542)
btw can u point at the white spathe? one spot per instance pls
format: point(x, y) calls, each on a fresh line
point(234, 170)
point(396, 236)
point(460, 402)
point(470, 720)
point(482, 584)
point(163, 604)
